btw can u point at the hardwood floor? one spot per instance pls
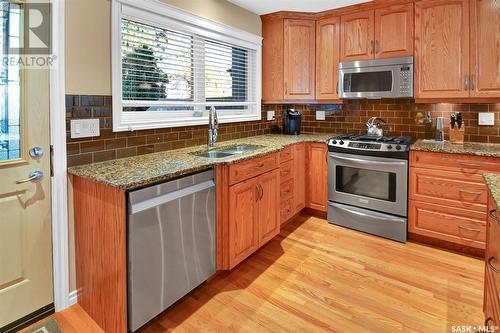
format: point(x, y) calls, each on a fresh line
point(315, 277)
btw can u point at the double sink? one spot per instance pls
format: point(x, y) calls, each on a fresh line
point(227, 151)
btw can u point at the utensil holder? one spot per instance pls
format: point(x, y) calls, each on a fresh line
point(457, 135)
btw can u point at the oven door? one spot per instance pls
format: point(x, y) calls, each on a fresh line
point(369, 82)
point(374, 183)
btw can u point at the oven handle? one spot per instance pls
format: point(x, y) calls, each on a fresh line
point(374, 214)
point(357, 160)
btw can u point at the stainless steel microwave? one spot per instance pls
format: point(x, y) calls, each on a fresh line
point(381, 78)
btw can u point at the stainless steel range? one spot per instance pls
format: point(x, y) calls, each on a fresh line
point(368, 184)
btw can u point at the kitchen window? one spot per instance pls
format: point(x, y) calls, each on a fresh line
point(170, 67)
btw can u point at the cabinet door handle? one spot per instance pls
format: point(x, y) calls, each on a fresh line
point(261, 192)
point(493, 214)
point(469, 192)
point(486, 322)
point(372, 46)
point(473, 83)
point(469, 229)
point(490, 265)
point(376, 46)
point(466, 82)
point(286, 88)
point(259, 165)
point(257, 193)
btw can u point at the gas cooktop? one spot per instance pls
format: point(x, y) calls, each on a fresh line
point(364, 143)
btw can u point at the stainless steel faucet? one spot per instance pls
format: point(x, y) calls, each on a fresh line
point(213, 125)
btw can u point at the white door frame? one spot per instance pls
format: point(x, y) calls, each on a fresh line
point(59, 184)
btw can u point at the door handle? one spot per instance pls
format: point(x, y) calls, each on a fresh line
point(490, 265)
point(372, 46)
point(34, 176)
point(261, 192)
point(469, 192)
point(257, 193)
point(376, 46)
point(492, 214)
point(473, 82)
point(469, 229)
point(467, 82)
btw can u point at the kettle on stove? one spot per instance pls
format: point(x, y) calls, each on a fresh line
point(291, 122)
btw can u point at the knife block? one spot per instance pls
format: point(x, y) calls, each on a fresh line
point(457, 135)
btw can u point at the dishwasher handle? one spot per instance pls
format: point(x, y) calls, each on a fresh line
point(165, 198)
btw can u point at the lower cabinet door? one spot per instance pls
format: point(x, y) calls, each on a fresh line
point(299, 177)
point(317, 174)
point(268, 206)
point(243, 220)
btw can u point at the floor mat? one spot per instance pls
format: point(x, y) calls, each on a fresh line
point(50, 326)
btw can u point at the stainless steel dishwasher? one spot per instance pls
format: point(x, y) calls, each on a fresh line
point(171, 243)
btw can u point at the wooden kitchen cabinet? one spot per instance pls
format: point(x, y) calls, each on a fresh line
point(299, 177)
point(357, 36)
point(447, 199)
point(327, 58)
point(317, 177)
point(485, 48)
point(394, 31)
point(441, 49)
point(243, 220)
point(268, 206)
point(491, 305)
point(375, 34)
point(299, 59)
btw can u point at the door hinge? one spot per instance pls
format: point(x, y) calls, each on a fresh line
point(51, 157)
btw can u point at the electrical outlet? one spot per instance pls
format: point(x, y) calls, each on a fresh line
point(486, 118)
point(84, 128)
point(271, 115)
point(320, 115)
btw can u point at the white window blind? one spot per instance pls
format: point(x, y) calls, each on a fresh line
point(170, 73)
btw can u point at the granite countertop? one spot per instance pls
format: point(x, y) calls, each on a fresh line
point(133, 172)
point(469, 148)
point(493, 183)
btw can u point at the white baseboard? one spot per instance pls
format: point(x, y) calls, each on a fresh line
point(73, 297)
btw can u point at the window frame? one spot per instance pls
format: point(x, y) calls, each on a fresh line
point(168, 17)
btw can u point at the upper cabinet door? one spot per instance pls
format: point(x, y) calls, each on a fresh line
point(299, 59)
point(485, 48)
point(327, 58)
point(394, 31)
point(442, 49)
point(272, 60)
point(357, 36)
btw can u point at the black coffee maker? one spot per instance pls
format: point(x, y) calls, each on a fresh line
point(291, 122)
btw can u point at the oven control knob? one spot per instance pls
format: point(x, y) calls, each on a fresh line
point(389, 147)
point(341, 142)
point(334, 142)
point(398, 147)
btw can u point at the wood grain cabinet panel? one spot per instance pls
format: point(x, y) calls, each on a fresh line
point(442, 49)
point(251, 168)
point(357, 32)
point(299, 59)
point(299, 177)
point(268, 206)
point(448, 188)
point(485, 48)
point(286, 210)
point(272, 60)
point(491, 306)
point(456, 225)
point(317, 178)
point(394, 31)
point(470, 167)
point(327, 58)
point(243, 220)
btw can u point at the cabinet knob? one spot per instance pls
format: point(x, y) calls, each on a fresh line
point(493, 214)
point(490, 265)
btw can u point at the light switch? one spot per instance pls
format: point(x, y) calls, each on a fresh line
point(486, 118)
point(270, 115)
point(84, 128)
point(320, 115)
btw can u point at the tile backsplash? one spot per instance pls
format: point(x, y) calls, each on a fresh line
point(401, 115)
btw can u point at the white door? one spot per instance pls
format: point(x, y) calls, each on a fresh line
point(25, 219)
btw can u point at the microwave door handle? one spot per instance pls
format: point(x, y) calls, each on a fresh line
point(357, 160)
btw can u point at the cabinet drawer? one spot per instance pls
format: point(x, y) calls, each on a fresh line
point(286, 190)
point(286, 154)
point(251, 168)
point(286, 210)
point(460, 226)
point(468, 165)
point(448, 188)
point(286, 169)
